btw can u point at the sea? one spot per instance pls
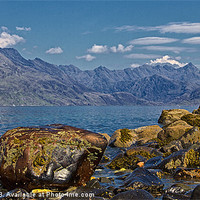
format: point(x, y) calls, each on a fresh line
point(100, 119)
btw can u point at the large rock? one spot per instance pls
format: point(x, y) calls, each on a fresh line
point(127, 137)
point(51, 156)
point(142, 178)
point(192, 119)
point(190, 138)
point(169, 116)
point(133, 195)
point(196, 193)
point(174, 131)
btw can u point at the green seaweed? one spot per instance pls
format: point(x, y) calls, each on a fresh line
point(125, 136)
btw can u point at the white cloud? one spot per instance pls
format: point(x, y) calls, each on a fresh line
point(56, 50)
point(166, 59)
point(7, 40)
point(23, 28)
point(182, 27)
point(87, 57)
point(192, 40)
point(166, 48)
point(135, 65)
point(4, 28)
point(141, 56)
point(173, 27)
point(120, 48)
point(153, 40)
point(98, 49)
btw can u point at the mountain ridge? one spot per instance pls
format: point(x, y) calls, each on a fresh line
point(36, 82)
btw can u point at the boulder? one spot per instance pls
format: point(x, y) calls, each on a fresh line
point(192, 119)
point(47, 157)
point(174, 131)
point(191, 137)
point(142, 178)
point(133, 195)
point(153, 162)
point(128, 137)
point(169, 116)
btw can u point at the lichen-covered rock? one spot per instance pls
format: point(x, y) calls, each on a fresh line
point(169, 116)
point(174, 130)
point(133, 195)
point(192, 119)
point(127, 137)
point(51, 156)
point(142, 178)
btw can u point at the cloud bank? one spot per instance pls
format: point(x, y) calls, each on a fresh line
point(23, 28)
point(56, 50)
point(87, 57)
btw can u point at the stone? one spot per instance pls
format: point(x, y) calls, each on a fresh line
point(172, 115)
point(53, 156)
point(106, 136)
point(153, 162)
point(133, 195)
point(196, 193)
point(176, 197)
point(177, 188)
point(174, 131)
point(192, 119)
point(128, 137)
point(142, 178)
point(191, 137)
point(172, 147)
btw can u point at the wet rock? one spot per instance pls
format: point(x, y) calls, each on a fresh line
point(106, 136)
point(51, 156)
point(94, 183)
point(176, 197)
point(133, 195)
point(128, 137)
point(153, 162)
point(141, 178)
point(104, 180)
point(196, 193)
point(169, 116)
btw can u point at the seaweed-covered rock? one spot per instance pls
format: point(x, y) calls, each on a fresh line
point(192, 119)
point(133, 195)
point(177, 188)
point(172, 147)
point(51, 156)
point(174, 130)
point(169, 116)
point(142, 178)
point(182, 158)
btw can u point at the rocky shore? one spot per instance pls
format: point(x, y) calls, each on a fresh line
point(62, 162)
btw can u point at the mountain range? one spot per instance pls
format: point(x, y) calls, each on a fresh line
point(38, 83)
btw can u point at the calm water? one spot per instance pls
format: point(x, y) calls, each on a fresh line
point(105, 119)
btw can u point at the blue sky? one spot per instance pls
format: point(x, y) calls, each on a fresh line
point(115, 34)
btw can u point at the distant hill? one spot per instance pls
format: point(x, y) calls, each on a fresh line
point(36, 82)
